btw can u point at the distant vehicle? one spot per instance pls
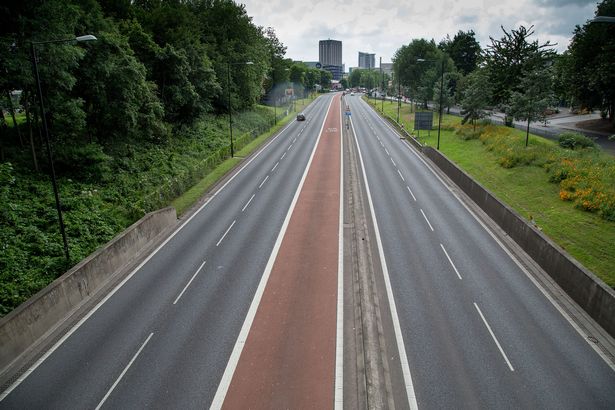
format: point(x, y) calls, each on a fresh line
point(301, 117)
point(351, 93)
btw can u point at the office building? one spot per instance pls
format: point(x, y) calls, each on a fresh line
point(367, 60)
point(330, 56)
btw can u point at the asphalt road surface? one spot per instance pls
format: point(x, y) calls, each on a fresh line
point(477, 332)
point(164, 338)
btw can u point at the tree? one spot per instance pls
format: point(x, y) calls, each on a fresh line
point(410, 72)
point(463, 49)
point(344, 83)
point(325, 78)
point(591, 60)
point(537, 95)
point(509, 58)
point(447, 92)
point(476, 97)
point(120, 104)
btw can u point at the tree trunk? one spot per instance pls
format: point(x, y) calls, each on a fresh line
point(31, 134)
point(12, 110)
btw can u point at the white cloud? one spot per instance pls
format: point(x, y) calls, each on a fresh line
point(382, 26)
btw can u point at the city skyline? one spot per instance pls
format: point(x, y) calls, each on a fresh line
point(392, 24)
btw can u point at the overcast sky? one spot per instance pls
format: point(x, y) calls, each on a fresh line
point(382, 26)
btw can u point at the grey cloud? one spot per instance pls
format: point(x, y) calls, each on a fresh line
point(559, 3)
point(466, 20)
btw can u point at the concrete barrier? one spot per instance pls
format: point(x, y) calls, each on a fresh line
point(43, 312)
point(591, 293)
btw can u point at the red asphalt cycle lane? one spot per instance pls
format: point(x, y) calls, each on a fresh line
point(288, 360)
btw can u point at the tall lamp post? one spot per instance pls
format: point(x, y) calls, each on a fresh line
point(398, 95)
point(230, 108)
point(382, 86)
point(421, 60)
point(54, 182)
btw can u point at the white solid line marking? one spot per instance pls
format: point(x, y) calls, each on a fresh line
point(68, 334)
point(248, 203)
point(409, 190)
point(124, 371)
point(401, 347)
point(275, 166)
point(223, 236)
point(401, 176)
point(227, 377)
point(394, 164)
point(450, 261)
point(189, 282)
point(494, 338)
point(425, 216)
point(339, 344)
point(263, 183)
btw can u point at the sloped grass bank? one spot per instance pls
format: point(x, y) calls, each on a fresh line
point(568, 194)
point(135, 179)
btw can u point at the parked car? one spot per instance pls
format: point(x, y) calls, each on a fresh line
point(301, 117)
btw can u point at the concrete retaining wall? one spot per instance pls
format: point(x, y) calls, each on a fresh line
point(592, 294)
point(40, 314)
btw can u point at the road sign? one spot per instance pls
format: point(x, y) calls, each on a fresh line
point(348, 113)
point(423, 120)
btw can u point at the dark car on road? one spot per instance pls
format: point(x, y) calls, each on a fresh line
point(301, 117)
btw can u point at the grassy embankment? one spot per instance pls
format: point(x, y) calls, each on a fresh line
point(131, 179)
point(185, 201)
point(587, 236)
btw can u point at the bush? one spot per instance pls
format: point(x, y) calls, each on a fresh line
point(587, 181)
point(467, 132)
point(573, 140)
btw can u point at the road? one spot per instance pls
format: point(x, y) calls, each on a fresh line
point(477, 332)
point(163, 339)
point(242, 305)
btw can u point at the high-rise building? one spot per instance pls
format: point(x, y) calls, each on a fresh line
point(330, 56)
point(330, 52)
point(367, 60)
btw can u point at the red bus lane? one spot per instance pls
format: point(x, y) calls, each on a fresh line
point(288, 360)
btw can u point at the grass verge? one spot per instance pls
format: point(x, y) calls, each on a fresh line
point(585, 235)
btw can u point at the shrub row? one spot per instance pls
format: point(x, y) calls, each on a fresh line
point(585, 176)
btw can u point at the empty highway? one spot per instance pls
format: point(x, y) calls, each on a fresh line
point(477, 332)
point(241, 306)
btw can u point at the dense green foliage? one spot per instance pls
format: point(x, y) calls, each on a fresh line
point(586, 69)
point(572, 140)
point(464, 50)
point(135, 117)
point(148, 176)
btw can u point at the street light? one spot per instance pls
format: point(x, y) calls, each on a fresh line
point(54, 182)
point(421, 60)
point(230, 109)
point(602, 19)
point(382, 86)
point(398, 97)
